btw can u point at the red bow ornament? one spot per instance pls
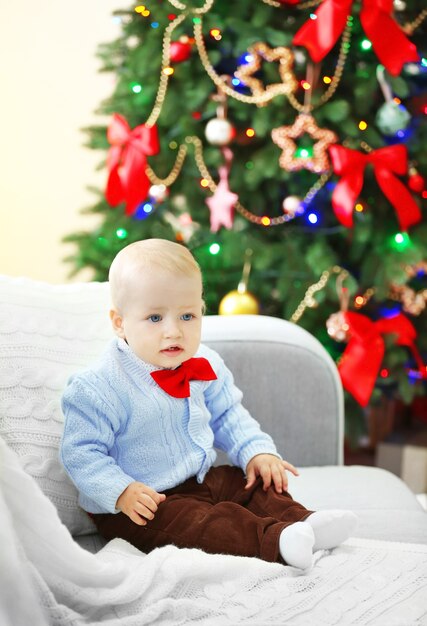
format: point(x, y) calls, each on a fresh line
point(350, 165)
point(389, 41)
point(177, 382)
point(127, 162)
point(362, 358)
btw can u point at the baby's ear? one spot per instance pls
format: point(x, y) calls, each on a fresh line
point(117, 323)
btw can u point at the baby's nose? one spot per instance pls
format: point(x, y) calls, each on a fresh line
point(173, 330)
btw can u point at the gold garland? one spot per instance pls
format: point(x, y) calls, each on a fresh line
point(308, 300)
point(304, 5)
point(336, 78)
point(413, 302)
point(409, 27)
point(212, 186)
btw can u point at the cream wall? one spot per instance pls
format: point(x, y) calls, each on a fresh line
point(50, 87)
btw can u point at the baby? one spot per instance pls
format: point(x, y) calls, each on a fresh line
point(141, 426)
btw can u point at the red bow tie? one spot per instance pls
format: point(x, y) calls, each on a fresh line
point(177, 382)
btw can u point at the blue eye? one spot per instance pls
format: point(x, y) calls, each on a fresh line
point(187, 317)
point(155, 318)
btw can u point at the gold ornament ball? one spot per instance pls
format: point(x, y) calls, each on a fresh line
point(236, 303)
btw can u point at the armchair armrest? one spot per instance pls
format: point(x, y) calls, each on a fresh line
point(289, 381)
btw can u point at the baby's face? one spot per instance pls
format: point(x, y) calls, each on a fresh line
point(162, 317)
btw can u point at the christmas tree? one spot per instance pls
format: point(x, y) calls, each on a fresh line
point(284, 138)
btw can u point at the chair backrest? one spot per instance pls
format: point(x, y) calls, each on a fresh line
point(290, 384)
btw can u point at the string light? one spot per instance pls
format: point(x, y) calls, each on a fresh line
point(136, 87)
point(168, 71)
point(313, 218)
point(401, 241)
point(363, 125)
point(204, 182)
point(327, 80)
point(250, 132)
point(215, 33)
point(214, 248)
point(305, 85)
point(359, 207)
point(384, 373)
point(365, 44)
point(265, 220)
point(121, 233)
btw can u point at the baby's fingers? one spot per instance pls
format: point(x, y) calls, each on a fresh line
point(280, 480)
point(290, 468)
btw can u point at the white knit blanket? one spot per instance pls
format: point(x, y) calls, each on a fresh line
point(47, 579)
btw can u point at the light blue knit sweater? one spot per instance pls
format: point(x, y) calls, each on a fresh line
point(121, 427)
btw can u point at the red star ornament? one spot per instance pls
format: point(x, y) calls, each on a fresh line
point(284, 137)
point(221, 204)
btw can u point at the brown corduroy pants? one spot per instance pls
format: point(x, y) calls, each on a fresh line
point(217, 516)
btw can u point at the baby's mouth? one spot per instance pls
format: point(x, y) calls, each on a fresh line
point(172, 350)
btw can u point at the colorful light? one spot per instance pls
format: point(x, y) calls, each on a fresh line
point(327, 80)
point(250, 132)
point(204, 182)
point(140, 8)
point(168, 71)
point(214, 248)
point(136, 87)
point(154, 24)
point(363, 125)
point(171, 17)
point(121, 233)
point(424, 62)
point(365, 44)
point(265, 220)
point(359, 301)
point(313, 218)
point(359, 207)
point(303, 153)
point(144, 211)
point(313, 16)
point(401, 241)
point(305, 85)
point(384, 373)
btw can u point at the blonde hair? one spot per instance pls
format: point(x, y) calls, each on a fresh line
point(148, 254)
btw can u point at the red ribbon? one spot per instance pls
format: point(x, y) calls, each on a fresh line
point(177, 382)
point(350, 165)
point(362, 358)
point(389, 41)
point(127, 162)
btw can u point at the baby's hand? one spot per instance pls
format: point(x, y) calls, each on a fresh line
point(139, 501)
point(271, 469)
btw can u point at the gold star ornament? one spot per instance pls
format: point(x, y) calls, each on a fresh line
point(261, 52)
point(293, 159)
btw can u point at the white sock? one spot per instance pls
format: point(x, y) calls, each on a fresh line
point(331, 527)
point(296, 545)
